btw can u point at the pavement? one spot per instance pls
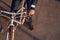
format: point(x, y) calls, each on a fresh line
point(46, 22)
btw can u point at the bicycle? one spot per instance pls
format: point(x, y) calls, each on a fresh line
point(11, 29)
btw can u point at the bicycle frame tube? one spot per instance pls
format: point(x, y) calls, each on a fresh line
point(10, 34)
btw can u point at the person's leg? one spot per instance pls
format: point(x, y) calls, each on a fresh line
point(14, 5)
point(29, 21)
point(29, 18)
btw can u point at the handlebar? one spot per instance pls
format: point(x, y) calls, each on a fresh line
point(11, 13)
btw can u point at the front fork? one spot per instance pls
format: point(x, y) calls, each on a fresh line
point(11, 30)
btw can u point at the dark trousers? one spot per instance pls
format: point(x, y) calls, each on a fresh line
point(15, 4)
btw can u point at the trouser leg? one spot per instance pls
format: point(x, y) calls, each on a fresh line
point(15, 5)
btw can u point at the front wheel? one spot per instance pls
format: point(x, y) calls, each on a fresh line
point(10, 33)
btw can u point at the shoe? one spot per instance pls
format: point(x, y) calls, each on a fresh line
point(30, 26)
point(29, 22)
point(1, 30)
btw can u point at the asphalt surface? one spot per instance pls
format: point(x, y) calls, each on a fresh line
point(46, 22)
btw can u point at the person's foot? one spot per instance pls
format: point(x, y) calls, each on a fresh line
point(29, 21)
point(30, 26)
